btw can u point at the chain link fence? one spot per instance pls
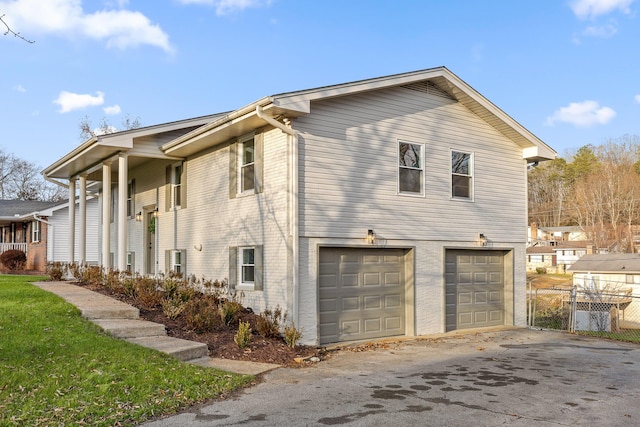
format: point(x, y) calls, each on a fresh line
point(596, 312)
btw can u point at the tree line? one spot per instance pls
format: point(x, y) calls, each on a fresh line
point(597, 188)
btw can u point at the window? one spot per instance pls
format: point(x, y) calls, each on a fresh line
point(247, 165)
point(633, 278)
point(176, 185)
point(410, 168)
point(130, 261)
point(245, 267)
point(35, 232)
point(176, 261)
point(461, 175)
point(130, 201)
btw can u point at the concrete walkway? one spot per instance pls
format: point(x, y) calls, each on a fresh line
point(123, 321)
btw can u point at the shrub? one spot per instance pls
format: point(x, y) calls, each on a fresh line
point(13, 259)
point(541, 270)
point(292, 335)
point(55, 271)
point(173, 307)
point(268, 322)
point(243, 336)
point(146, 292)
point(201, 314)
point(228, 311)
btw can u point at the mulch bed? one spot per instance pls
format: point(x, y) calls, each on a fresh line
point(220, 341)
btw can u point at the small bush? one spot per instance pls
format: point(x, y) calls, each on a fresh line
point(228, 311)
point(292, 335)
point(55, 271)
point(541, 270)
point(268, 322)
point(173, 307)
point(146, 292)
point(13, 259)
point(243, 336)
point(201, 314)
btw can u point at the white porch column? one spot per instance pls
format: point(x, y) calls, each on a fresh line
point(122, 211)
point(106, 213)
point(82, 243)
point(72, 219)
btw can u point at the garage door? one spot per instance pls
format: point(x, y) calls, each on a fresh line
point(361, 293)
point(474, 289)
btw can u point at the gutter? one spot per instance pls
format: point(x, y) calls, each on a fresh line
point(293, 210)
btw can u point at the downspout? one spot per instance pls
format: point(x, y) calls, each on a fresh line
point(49, 225)
point(294, 205)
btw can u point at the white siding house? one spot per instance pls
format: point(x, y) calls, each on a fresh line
point(384, 207)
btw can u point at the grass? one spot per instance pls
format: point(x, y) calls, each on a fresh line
point(628, 335)
point(57, 368)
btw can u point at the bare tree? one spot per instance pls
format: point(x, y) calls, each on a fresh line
point(21, 180)
point(105, 127)
point(548, 191)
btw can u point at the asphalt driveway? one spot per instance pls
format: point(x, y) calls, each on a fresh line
point(516, 377)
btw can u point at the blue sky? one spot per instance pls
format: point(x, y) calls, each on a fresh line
point(566, 70)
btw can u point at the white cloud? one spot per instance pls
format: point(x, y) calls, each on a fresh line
point(637, 98)
point(114, 109)
point(582, 114)
point(225, 7)
point(69, 101)
point(584, 9)
point(19, 88)
point(602, 31)
point(118, 28)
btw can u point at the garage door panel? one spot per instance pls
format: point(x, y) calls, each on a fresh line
point(370, 293)
point(474, 279)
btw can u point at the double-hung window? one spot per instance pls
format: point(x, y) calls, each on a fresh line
point(247, 165)
point(410, 168)
point(176, 185)
point(247, 266)
point(35, 232)
point(461, 175)
point(130, 195)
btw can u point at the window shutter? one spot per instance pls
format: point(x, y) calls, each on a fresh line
point(183, 184)
point(258, 167)
point(167, 191)
point(233, 267)
point(233, 177)
point(167, 261)
point(258, 270)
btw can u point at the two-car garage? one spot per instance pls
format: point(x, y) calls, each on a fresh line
point(367, 293)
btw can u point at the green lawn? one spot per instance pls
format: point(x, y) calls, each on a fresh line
point(57, 368)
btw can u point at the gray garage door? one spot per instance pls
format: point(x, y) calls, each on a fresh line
point(474, 283)
point(361, 293)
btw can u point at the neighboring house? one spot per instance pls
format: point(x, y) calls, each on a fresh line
point(58, 232)
point(608, 275)
point(22, 228)
point(383, 207)
point(542, 257)
point(554, 235)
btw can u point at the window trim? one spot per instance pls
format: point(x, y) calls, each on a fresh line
point(241, 267)
point(470, 175)
point(422, 169)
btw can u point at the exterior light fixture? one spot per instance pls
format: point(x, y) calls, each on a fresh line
point(139, 217)
point(371, 237)
point(482, 240)
point(155, 213)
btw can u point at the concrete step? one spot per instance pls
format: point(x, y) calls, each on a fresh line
point(236, 366)
point(180, 349)
point(128, 328)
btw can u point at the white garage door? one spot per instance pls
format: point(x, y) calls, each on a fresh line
point(361, 293)
point(474, 289)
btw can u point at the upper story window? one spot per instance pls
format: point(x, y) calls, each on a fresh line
point(176, 185)
point(461, 175)
point(247, 165)
point(35, 232)
point(410, 168)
